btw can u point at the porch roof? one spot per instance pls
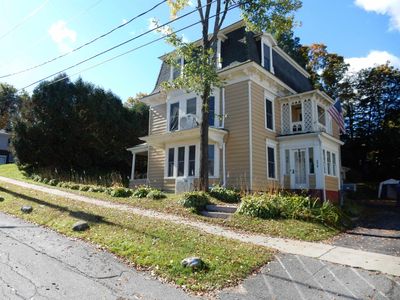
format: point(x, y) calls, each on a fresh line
point(215, 135)
point(139, 148)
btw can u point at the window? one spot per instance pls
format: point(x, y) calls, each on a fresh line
point(211, 111)
point(191, 106)
point(192, 160)
point(297, 116)
point(271, 162)
point(171, 162)
point(181, 161)
point(287, 162)
point(333, 164)
point(176, 69)
point(267, 57)
point(324, 158)
point(321, 115)
point(311, 160)
point(328, 159)
point(269, 114)
point(174, 116)
point(211, 159)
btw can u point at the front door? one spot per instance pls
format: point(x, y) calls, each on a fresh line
point(298, 170)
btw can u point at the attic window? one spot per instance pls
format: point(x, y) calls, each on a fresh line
point(266, 54)
point(176, 69)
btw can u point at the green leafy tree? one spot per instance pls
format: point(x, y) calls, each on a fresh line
point(199, 71)
point(10, 102)
point(77, 126)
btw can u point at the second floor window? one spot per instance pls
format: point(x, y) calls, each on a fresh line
point(269, 114)
point(174, 117)
point(267, 57)
point(191, 106)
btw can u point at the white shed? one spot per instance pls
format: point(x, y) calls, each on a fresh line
point(388, 189)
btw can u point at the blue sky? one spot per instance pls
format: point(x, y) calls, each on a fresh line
point(365, 32)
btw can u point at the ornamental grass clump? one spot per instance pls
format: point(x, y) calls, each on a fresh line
point(196, 201)
point(121, 192)
point(225, 195)
point(290, 206)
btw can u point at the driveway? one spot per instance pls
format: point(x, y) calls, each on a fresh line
point(37, 263)
point(377, 231)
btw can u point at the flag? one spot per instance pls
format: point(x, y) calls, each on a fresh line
point(337, 114)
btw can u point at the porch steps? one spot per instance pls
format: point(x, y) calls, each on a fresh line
point(219, 211)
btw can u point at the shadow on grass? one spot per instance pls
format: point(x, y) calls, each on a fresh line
point(93, 218)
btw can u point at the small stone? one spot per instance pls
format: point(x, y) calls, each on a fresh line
point(196, 263)
point(26, 209)
point(1, 199)
point(80, 226)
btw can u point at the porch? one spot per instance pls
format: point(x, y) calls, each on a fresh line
point(139, 165)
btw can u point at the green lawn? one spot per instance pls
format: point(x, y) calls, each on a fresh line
point(147, 243)
point(294, 229)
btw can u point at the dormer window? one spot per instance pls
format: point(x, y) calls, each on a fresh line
point(174, 116)
point(266, 54)
point(177, 68)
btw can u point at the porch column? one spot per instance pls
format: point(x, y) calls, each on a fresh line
point(133, 166)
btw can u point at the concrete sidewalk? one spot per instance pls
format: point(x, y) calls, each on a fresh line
point(330, 253)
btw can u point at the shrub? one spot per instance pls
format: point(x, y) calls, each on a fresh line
point(195, 200)
point(97, 189)
point(224, 194)
point(36, 178)
point(141, 191)
point(121, 192)
point(73, 186)
point(156, 194)
point(53, 182)
point(300, 207)
point(84, 188)
point(45, 180)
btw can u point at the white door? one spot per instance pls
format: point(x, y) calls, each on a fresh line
point(298, 169)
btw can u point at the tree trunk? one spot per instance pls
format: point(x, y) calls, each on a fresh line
point(203, 184)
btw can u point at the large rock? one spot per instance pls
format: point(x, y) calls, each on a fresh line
point(195, 263)
point(26, 209)
point(80, 226)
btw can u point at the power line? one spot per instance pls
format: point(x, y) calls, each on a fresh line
point(116, 46)
point(30, 15)
point(126, 52)
point(85, 44)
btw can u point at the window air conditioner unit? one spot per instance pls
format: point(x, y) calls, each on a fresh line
point(184, 185)
point(188, 121)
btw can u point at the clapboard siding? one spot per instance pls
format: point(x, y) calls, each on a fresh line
point(158, 119)
point(331, 183)
point(155, 168)
point(237, 123)
point(260, 136)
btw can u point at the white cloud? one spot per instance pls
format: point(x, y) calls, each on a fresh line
point(373, 58)
point(383, 7)
point(62, 35)
point(124, 21)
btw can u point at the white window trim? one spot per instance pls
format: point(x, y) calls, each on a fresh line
point(325, 116)
point(325, 163)
point(182, 99)
point(271, 144)
point(171, 74)
point(197, 159)
point(268, 97)
point(265, 41)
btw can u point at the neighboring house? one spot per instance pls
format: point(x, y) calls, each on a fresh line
point(268, 128)
point(5, 154)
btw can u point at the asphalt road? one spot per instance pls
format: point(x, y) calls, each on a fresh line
point(37, 263)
